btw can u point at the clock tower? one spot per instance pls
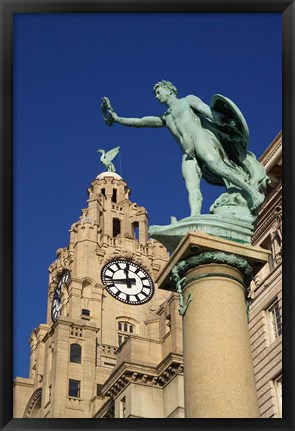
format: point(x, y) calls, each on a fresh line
point(102, 302)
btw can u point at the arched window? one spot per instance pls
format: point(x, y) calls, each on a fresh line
point(124, 329)
point(75, 353)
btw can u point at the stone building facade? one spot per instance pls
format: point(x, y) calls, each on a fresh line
point(266, 292)
point(112, 348)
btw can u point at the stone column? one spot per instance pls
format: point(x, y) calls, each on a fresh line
point(211, 276)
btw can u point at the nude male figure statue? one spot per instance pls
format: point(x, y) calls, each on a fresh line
point(202, 149)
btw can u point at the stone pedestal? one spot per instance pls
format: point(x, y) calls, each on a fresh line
point(211, 275)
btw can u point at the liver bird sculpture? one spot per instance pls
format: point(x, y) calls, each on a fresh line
point(107, 157)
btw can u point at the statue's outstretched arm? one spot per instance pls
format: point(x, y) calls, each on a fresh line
point(111, 117)
point(149, 121)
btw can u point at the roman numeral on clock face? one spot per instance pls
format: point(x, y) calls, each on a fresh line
point(146, 291)
point(111, 270)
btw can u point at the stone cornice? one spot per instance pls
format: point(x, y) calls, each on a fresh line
point(166, 362)
point(23, 381)
point(195, 243)
point(267, 216)
point(176, 412)
point(271, 151)
point(122, 376)
point(106, 411)
point(129, 373)
point(63, 320)
point(262, 284)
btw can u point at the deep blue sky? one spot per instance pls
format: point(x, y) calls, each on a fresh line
point(63, 65)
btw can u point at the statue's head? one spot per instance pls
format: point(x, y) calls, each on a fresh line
point(166, 84)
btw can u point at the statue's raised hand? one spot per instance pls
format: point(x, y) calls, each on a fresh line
point(108, 113)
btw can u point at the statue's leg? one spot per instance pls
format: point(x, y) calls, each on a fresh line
point(236, 177)
point(191, 172)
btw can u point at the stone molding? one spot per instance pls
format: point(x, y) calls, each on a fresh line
point(106, 411)
point(154, 377)
point(216, 257)
point(177, 412)
point(260, 285)
point(32, 402)
point(272, 150)
point(267, 216)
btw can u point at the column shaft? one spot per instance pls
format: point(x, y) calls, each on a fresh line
point(219, 378)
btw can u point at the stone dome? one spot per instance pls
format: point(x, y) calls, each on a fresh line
point(109, 174)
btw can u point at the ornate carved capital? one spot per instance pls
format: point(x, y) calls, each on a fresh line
point(217, 257)
point(205, 258)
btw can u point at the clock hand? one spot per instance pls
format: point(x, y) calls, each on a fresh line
point(124, 280)
point(126, 271)
point(127, 279)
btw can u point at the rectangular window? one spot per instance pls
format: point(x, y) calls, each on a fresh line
point(114, 196)
point(85, 312)
point(274, 321)
point(75, 353)
point(116, 227)
point(74, 388)
point(135, 227)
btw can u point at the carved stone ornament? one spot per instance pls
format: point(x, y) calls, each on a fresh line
point(204, 258)
point(218, 257)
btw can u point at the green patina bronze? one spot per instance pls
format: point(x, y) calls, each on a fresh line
point(179, 283)
point(214, 142)
point(107, 157)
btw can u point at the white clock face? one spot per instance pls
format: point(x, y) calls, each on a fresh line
point(56, 302)
point(127, 282)
point(56, 306)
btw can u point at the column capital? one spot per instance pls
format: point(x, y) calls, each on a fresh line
point(198, 248)
point(213, 257)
